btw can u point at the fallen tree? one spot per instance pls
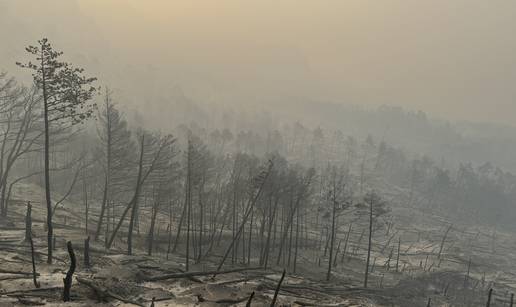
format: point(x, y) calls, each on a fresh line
point(200, 273)
point(103, 293)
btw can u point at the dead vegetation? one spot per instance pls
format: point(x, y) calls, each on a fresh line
point(186, 221)
point(424, 272)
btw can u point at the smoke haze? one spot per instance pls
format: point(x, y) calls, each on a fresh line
point(452, 59)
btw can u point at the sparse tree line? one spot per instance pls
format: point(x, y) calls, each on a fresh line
point(243, 198)
point(484, 193)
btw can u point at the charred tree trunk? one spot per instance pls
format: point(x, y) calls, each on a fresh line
point(398, 257)
point(442, 241)
point(68, 279)
point(234, 222)
point(290, 219)
point(336, 254)
point(151, 229)
point(86, 204)
point(34, 273)
point(366, 274)
point(201, 221)
point(102, 208)
point(48, 199)
point(188, 202)
point(180, 225)
point(269, 233)
point(273, 303)
point(488, 304)
point(222, 227)
point(214, 228)
point(290, 242)
point(135, 200)
point(169, 229)
point(332, 236)
point(250, 207)
point(28, 223)
point(250, 239)
point(243, 240)
point(248, 304)
point(109, 142)
point(297, 242)
point(87, 252)
point(3, 200)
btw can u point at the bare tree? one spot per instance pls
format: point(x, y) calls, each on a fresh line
point(153, 152)
point(339, 198)
point(259, 182)
point(375, 207)
point(161, 186)
point(21, 130)
point(116, 150)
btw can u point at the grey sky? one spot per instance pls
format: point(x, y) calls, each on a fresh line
point(454, 59)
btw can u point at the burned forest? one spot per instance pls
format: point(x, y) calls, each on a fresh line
point(231, 173)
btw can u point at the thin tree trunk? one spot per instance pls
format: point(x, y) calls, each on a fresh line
point(201, 221)
point(189, 206)
point(134, 210)
point(108, 222)
point(68, 279)
point(366, 274)
point(327, 241)
point(243, 240)
point(273, 303)
point(87, 252)
point(262, 229)
point(250, 207)
point(248, 304)
point(108, 169)
point(28, 223)
point(332, 240)
point(269, 233)
point(290, 241)
point(442, 241)
point(398, 257)
point(250, 239)
point(336, 254)
point(488, 304)
point(288, 226)
point(34, 273)
point(169, 229)
point(102, 209)
point(233, 229)
point(86, 205)
point(297, 241)
point(181, 221)
point(3, 201)
point(219, 238)
point(466, 277)
point(214, 231)
point(151, 229)
point(50, 229)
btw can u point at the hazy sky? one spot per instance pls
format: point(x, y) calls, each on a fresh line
point(452, 58)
